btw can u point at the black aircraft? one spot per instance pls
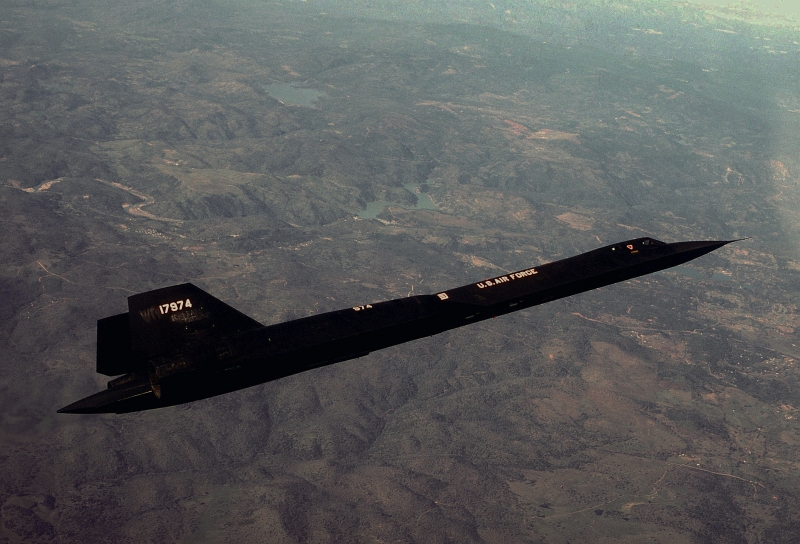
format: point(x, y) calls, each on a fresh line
point(179, 344)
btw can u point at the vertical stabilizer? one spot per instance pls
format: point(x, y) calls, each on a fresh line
point(114, 353)
point(174, 317)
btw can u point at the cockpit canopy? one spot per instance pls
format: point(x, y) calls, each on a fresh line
point(639, 243)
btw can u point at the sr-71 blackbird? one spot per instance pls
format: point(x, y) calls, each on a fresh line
point(179, 344)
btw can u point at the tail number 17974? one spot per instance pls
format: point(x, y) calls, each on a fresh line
point(176, 306)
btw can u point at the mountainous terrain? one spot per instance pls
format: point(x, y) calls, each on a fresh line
point(145, 145)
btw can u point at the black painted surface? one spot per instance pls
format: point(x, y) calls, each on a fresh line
point(194, 346)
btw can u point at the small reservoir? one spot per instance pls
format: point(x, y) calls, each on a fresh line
point(293, 95)
point(424, 202)
point(698, 275)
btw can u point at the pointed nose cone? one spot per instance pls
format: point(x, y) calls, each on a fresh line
point(687, 251)
point(701, 248)
point(696, 249)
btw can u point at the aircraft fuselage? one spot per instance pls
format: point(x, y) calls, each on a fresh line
point(186, 345)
